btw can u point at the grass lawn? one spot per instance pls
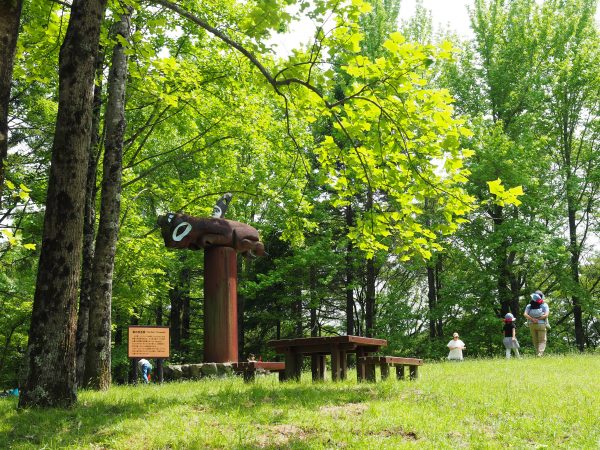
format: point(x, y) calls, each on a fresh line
point(550, 402)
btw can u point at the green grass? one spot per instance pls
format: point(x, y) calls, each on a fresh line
point(550, 402)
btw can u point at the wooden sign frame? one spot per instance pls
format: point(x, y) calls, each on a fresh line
point(148, 342)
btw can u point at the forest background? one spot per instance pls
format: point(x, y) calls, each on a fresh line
point(407, 183)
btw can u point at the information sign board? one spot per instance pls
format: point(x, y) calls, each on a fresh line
point(148, 342)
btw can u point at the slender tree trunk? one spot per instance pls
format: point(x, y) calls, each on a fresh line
point(502, 268)
point(133, 320)
point(432, 299)
point(119, 331)
point(241, 306)
point(370, 299)
point(297, 313)
point(89, 232)
point(350, 328)
point(50, 366)
point(175, 317)
point(439, 323)
point(98, 353)
point(185, 309)
point(314, 324)
point(158, 313)
point(370, 285)
point(10, 14)
point(574, 262)
point(515, 290)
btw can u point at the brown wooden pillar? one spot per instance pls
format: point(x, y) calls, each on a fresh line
point(220, 305)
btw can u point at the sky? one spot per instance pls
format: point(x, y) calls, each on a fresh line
point(450, 14)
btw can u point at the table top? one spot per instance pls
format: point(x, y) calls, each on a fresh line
point(321, 344)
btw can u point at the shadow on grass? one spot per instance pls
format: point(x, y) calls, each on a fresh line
point(97, 417)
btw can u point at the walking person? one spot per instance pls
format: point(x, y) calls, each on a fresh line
point(510, 336)
point(456, 347)
point(537, 313)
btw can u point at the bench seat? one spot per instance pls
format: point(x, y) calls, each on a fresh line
point(250, 368)
point(385, 362)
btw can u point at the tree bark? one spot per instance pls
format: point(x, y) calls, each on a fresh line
point(89, 231)
point(574, 262)
point(10, 14)
point(50, 366)
point(98, 353)
point(502, 268)
point(314, 323)
point(350, 329)
point(432, 299)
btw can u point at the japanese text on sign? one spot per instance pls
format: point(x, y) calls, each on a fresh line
point(148, 342)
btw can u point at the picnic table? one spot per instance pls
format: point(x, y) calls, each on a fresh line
point(319, 347)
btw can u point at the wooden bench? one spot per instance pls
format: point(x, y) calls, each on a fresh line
point(385, 362)
point(249, 369)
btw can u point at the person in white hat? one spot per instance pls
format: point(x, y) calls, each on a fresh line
point(456, 347)
point(510, 336)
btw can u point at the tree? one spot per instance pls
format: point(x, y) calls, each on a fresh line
point(98, 359)
point(573, 105)
point(53, 321)
point(10, 14)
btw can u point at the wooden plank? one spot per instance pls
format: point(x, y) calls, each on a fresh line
point(327, 340)
point(394, 360)
point(272, 366)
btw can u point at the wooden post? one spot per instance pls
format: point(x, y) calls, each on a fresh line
point(159, 370)
point(335, 363)
point(370, 371)
point(220, 305)
point(400, 372)
point(293, 366)
point(414, 372)
point(385, 370)
point(343, 365)
point(136, 370)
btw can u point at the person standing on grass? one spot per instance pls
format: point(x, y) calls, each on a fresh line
point(456, 347)
point(537, 313)
point(510, 336)
point(146, 368)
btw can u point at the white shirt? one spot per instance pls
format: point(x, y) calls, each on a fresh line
point(455, 347)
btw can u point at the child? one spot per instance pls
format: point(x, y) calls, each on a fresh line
point(456, 347)
point(510, 336)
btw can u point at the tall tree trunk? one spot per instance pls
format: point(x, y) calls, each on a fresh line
point(297, 312)
point(175, 316)
point(370, 298)
point(370, 284)
point(158, 313)
point(350, 328)
point(10, 14)
point(438, 289)
point(241, 306)
point(574, 262)
point(89, 232)
point(502, 268)
point(314, 324)
point(432, 298)
point(50, 366)
point(98, 353)
point(185, 309)
point(119, 331)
